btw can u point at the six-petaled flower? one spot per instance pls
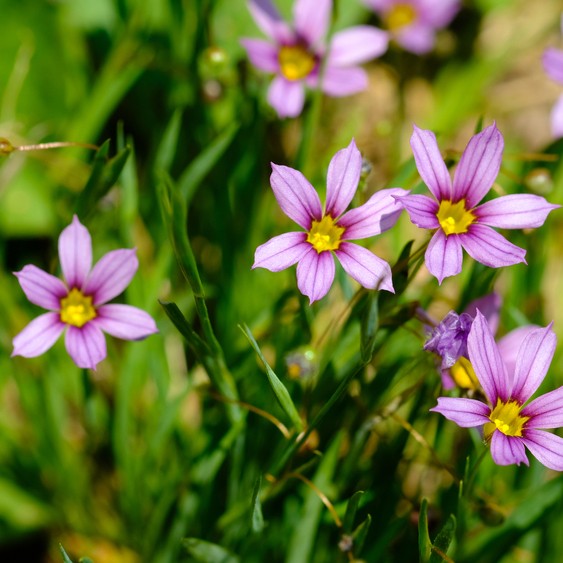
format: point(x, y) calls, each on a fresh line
point(80, 303)
point(329, 231)
point(298, 54)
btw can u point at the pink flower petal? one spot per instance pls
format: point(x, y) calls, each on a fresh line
point(486, 360)
point(547, 448)
point(490, 248)
point(557, 118)
point(466, 413)
point(295, 195)
point(416, 38)
point(517, 211)
point(546, 411)
point(315, 274)
point(342, 180)
point(286, 97)
point(41, 288)
point(75, 253)
point(366, 268)
point(510, 344)
point(311, 19)
point(430, 164)
point(281, 252)
point(422, 210)
point(111, 275)
point(262, 55)
point(438, 14)
point(339, 82)
point(268, 19)
point(532, 363)
point(443, 256)
point(124, 321)
point(479, 166)
point(86, 345)
point(377, 215)
point(38, 336)
point(508, 450)
point(489, 305)
point(553, 64)
point(357, 45)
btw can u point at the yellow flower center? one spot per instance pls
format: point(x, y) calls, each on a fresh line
point(400, 16)
point(325, 235)
point(296, 62)
point(77, 309)
point(506, 417)
point(454, 218)
point(463, 374)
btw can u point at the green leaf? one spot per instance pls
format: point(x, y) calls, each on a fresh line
point(66, 558)
point(360, 534)
point(207, 552)
point(370, 324)
point(194, 341)
point(257, 516)
point(443, 540)
point(104, 175)
point(424, 543)
point(351, 509)
point(279, 389)
point(167, 148)
point(401, 269)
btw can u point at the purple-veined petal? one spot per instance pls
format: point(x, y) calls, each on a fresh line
point(422, 210)
point(338, 82)
point(489, 305)
point(342, 180)
point(357, 45)
point(443, 256)
point(295, 195)
point(377, 215)
point(508, 450)
point(111, 275)
point(430, 164)
point(466, 413)
point(41, 288)
point(557, 118)
point(546, 411)
point(286, 97)
point(262, 55)
point(38, 336)
point(416, 38)
point(510, 344)
point(125, 321)
point(366, 268)
point(86, 345)
point(478, 166)
point(486, 360)
point(547, 448)
point(516, 211)
point(281, 252)
point(447, 381)
point(268, 19)
point(75, 253)
point(490, 248)
point(315, 274)
point(532, 363)
point(553, 64)
point(311, 19)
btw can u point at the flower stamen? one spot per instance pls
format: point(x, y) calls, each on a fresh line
point(506, 417)
point(77, 308)
point(399, 16)
point(296, 62)
point(455, 218)
point(325, 234)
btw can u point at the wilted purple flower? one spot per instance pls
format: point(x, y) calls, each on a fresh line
point(413, 23)
point(297, 54)
point(455, 213)
point(553, 65)
point(509, 423)
point(79, 305)
point(449, 338)
point(330, 230)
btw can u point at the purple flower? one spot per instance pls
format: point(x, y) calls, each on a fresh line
point(449, 338)
point(413, 23)
point(330, 230)
point(509, 423)
point(553, 65)
point(79, 305)
point(455, 213)
point(297, 54)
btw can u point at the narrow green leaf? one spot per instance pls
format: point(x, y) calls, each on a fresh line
point(198, 346)
point(443, 540)
point(66, 558)
point(195, 173)
point(351, 509)
point(279, 389)
point(401, 269)
point(360, 534)
point(370, 324)
point(207, 552)
point(167, 148)
point(424, 543)
point(257, 516)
